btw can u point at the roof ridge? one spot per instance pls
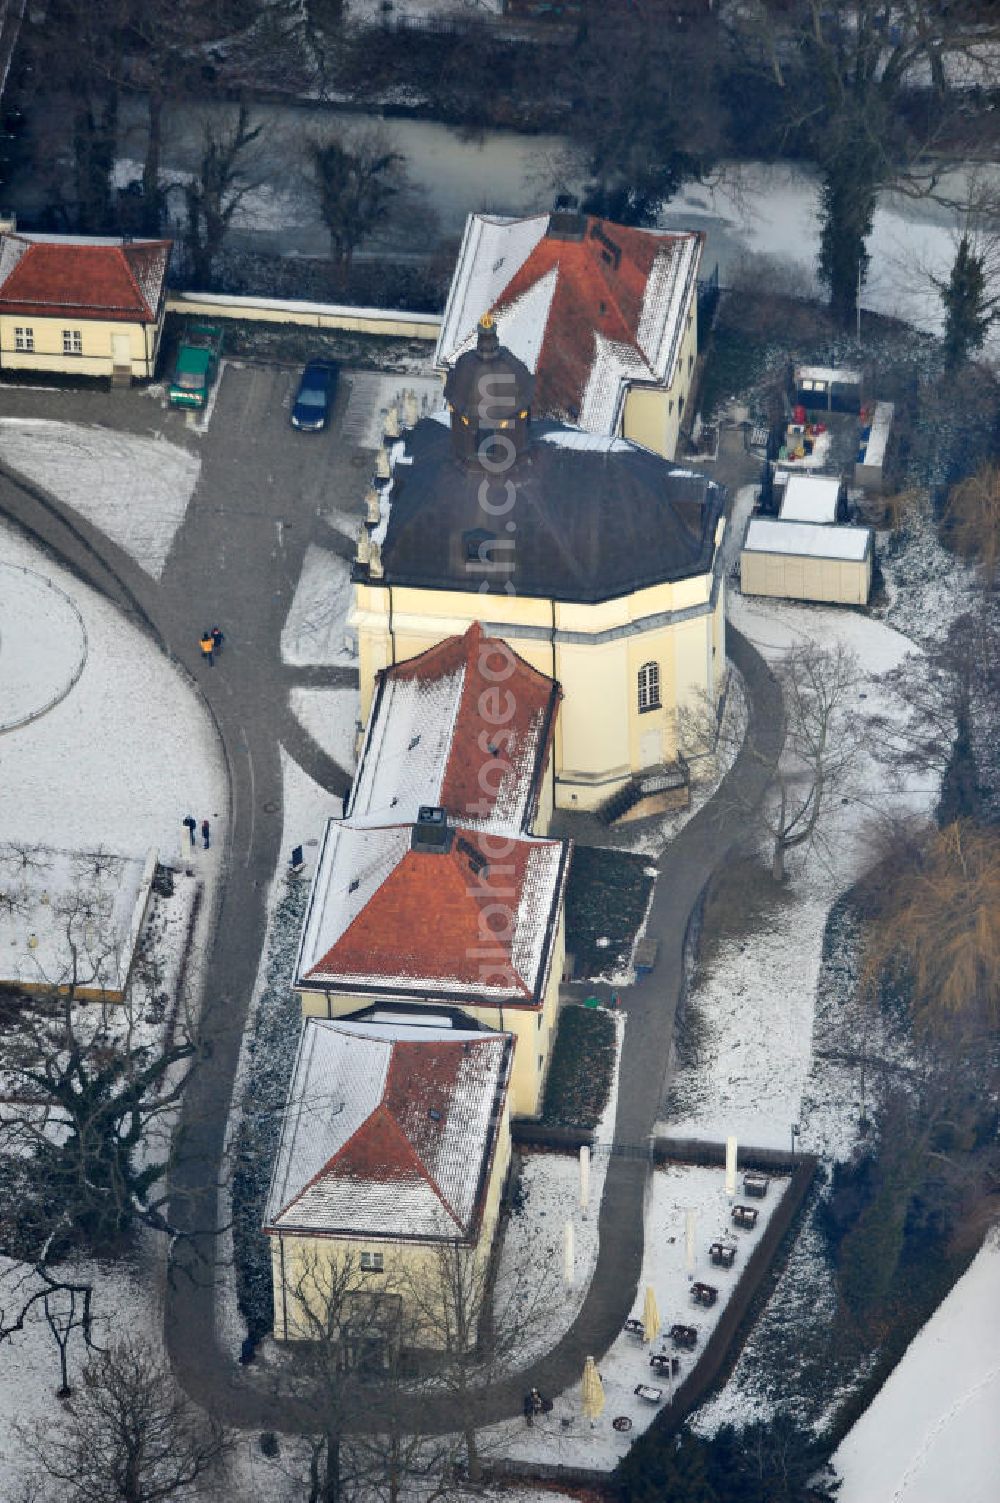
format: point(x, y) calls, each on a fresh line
point(123, 251)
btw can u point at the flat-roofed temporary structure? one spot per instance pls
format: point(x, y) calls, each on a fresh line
point(827, 388)
point(806, 561)
point(870, 463)
point(811, 498)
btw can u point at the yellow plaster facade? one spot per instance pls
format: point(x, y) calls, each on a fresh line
point(406, 1264)
point(604, 733)
point(652, 415)
point(98, 348)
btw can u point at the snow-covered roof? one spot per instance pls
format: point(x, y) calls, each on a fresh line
point(878, 437)
point(826, 375)
point(390, 917)
point(566, 437)
point(389, 1131)
point(810, 498)
point(806, 539)
point(428, 741)
point(589, 312)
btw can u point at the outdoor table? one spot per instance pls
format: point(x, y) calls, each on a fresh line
point(704, 1294)
point(684, 1336)
point(745, 1216)
point(621, 1423)
point(664, 1363)
point(635, 1327)
point(755, 1185)
point(648, 1392)
point(723, 1254)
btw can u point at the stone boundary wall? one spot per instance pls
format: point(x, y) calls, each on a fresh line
point(389, 322)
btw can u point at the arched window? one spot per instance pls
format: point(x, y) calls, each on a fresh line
point(649, 687)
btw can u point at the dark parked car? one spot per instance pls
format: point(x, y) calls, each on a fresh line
point(314, 398)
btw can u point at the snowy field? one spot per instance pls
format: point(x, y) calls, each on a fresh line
point(37, 668)
point(755, 1004)
point(932, 1432)
point(136, 490)
point(315, 632)
point(124, 757)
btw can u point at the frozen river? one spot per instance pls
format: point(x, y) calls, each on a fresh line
point(768, 209)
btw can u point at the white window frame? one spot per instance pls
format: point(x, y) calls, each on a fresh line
point(72, 341)
point(372, 1262)
point(649, 687)
point(24, 339)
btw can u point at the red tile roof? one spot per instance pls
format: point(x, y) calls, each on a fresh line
point(596, 291)
point(86, 279)
point(389, 1130)
point(497, 685)
point(442, 913)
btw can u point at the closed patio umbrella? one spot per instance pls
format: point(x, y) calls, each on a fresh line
point(650, 1316)
point(592, 1391)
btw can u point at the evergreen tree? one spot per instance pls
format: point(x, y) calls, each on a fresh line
point(968, 308)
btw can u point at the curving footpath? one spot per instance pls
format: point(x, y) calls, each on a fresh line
point(247, 697)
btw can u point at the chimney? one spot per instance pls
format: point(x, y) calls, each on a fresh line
point(431, 833)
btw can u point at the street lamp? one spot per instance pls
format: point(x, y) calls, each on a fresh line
point(795, 1133)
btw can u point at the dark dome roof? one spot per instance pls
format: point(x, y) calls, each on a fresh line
point(588, 519)
point(491, 373)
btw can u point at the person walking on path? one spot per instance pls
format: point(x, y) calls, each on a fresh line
point(190, 824)
point(217, 639)
point(207, 645)
point(204, 833)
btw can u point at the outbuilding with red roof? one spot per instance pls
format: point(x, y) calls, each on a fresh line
point(82, 305)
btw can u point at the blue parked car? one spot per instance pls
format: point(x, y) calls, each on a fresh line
point(314, 398)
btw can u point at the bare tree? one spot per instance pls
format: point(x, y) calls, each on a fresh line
point(129, 1436)
point(818, 688)
point(356, 180)
point(356, 1336)
point(478, 1324)
point(89, 1090)
point(213, 194)
point(940, 713)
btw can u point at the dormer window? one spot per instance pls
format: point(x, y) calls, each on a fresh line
point(477, 545)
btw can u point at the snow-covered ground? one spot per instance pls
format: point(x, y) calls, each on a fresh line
point(136, 490)
point(124, 757)
point(331, 718)
point(932, 1432)
point(755, 1004)
point(38, 664)
point(315, 632)
point(532, 1258)
point(565, 1435)
point(772, 210)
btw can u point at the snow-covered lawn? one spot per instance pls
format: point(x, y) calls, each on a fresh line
point(136, 490)
point(330, 716)
point(755, 1004)
point(932, 1432)
point(315, 631)
point(565, 1435)
point(124, 757)
point(43, 644)
point(532, 1257)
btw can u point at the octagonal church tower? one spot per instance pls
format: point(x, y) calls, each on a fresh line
point(598, 561)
